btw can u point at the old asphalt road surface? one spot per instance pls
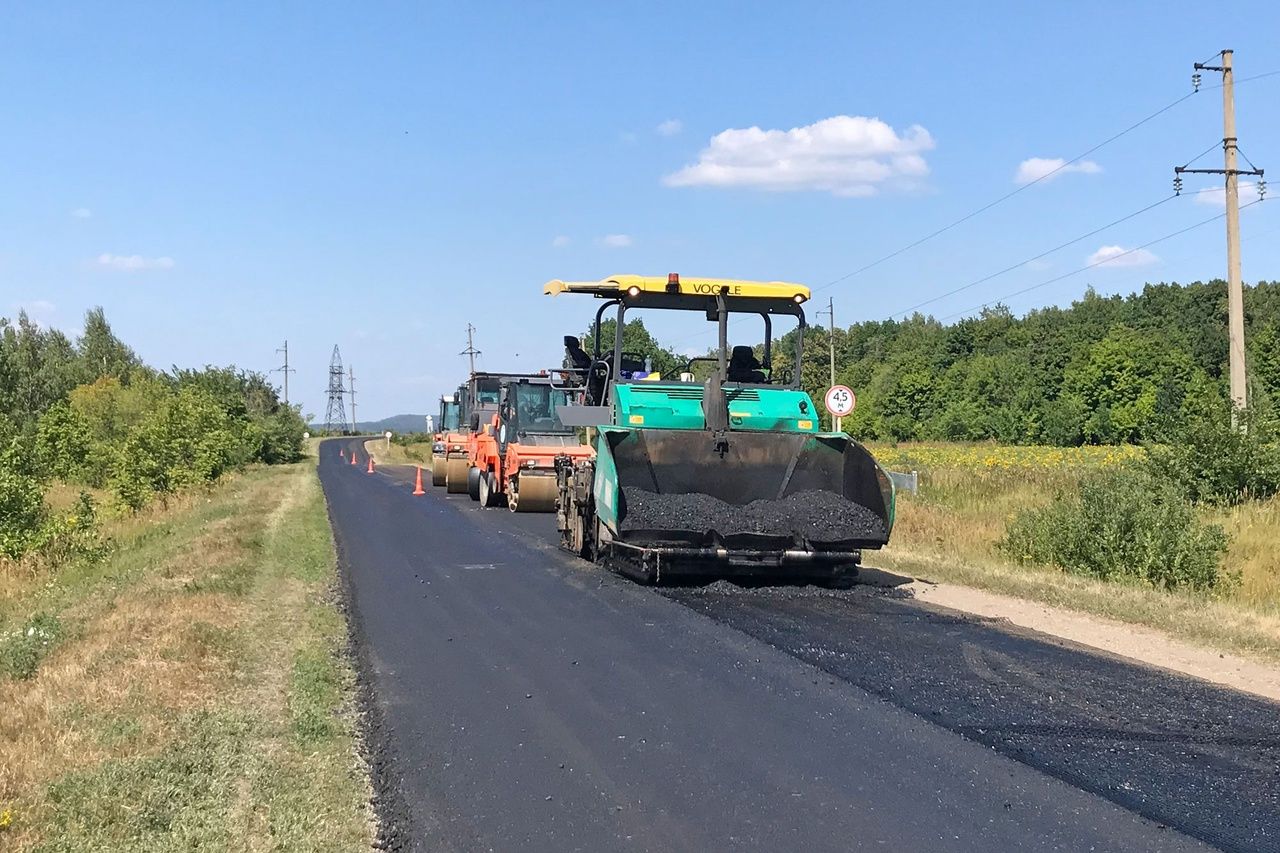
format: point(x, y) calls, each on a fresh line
point(521, 700)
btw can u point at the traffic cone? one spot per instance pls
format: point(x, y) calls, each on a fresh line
point(417, 484)
point(370, 471)
point(342, 451)
point(353, 457)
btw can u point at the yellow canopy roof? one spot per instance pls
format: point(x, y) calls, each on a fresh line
point(692, 286)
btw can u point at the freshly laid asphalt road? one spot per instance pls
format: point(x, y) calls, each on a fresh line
point(520, 699)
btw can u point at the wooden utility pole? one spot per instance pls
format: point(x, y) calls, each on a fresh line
point(831, 347)
point(1235, 286)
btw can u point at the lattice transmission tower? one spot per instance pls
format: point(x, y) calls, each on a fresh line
point(335, 414)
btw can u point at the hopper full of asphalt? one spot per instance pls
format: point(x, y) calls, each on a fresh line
point(814, 516)
point(825, 489)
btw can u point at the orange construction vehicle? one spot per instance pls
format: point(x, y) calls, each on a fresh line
point(447, 426)
point(514, 461)
point(457, 443)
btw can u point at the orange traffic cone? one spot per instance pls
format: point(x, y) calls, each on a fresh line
point(417, 484)
point(342, 451)
point(370, 471)
point(353, 457)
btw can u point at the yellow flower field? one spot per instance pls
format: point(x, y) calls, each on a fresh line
point(932, 456)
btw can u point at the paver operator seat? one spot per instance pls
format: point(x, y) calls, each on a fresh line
point(744, 366)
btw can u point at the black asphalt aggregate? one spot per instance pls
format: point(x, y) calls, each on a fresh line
point(524, 700)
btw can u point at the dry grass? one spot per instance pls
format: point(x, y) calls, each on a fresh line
point(949, 533)
point(1254, 553)
point(417, 453)
point(166, 715)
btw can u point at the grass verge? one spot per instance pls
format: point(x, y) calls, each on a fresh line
point(189, 691)
point(948, 533)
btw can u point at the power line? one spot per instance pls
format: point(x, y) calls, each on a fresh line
point(1010, 194)
point(1248, 79)
point(1215, 146)
point(1021, 263)
point(1088, 267)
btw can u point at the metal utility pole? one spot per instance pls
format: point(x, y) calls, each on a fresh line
point(351, 376)
point(335, 414)
point(831, 346)
point(471, 352)
point(286, 370)
point(1235, 287)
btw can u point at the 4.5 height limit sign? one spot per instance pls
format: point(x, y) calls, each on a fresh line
point(840, 401)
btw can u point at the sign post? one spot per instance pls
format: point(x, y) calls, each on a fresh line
point(840, 401)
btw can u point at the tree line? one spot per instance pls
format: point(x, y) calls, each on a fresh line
point(90, 413)
point(1104, 370)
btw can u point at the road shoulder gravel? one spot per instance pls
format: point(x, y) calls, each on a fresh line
point(1135, 642)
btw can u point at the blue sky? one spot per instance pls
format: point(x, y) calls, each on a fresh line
point(221, 177)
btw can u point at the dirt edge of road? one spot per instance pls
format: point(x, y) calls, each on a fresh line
point(1128, 641)
point(390, 808)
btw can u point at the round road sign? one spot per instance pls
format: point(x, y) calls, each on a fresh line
point(840, 401)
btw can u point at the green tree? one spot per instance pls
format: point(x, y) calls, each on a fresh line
point(110, 412)
point(635, 339)
point(38, 367)
point(64, 443)
point(102, 354)
point(1264, 362)
point(1120, 380)
point(22, 508)
point(185, 441)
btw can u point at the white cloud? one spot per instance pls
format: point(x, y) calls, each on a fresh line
point(82, 213)
point(1217, 196)
point(1118, 256)
point(1048, 168)
point(616, 241)
point(560, 241)
point(133, 263)
point(670, 127)
point(842, 155)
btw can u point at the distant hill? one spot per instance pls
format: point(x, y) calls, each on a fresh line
point(395, 423)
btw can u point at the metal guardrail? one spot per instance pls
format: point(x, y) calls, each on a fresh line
point(905, 481)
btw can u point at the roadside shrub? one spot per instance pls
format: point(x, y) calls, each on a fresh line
point(281, 436)
point(70, 535)
point(63, 443)
point(22, 511)
point(22, 650)
point(1212, 460)
point(185, 441)
point(1122, 523)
